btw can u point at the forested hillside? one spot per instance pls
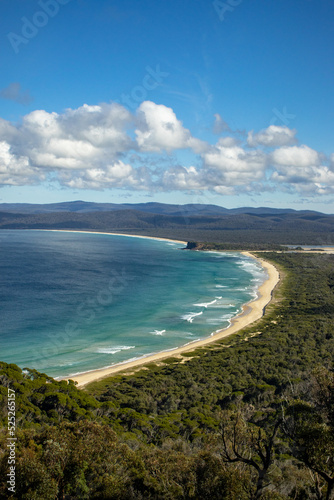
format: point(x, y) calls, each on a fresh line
point(189, 209)
point(248, 417)
point(295, 228)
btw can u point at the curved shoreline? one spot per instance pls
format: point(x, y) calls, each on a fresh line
point(251, 312)
point(112, 234)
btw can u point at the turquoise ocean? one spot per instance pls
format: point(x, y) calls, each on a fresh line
point(72, 302)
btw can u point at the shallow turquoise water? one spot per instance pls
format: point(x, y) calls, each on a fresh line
point(73, 302)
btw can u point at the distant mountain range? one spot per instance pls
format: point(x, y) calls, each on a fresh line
point(153, 208)
point(192, 222)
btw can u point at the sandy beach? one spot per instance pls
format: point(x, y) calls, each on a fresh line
point(252, 311)
point(114, 234)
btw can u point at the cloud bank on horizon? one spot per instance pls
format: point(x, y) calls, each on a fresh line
point(106, 146)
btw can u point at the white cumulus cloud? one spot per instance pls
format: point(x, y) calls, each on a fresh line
point(16, 170)
point(301, 167)
point(296, 156)
point(272, 136)
point(184, 179)
point(117, 175)
point(105, 146)
point(90, 138)
point(159, 129)
point(234, 166)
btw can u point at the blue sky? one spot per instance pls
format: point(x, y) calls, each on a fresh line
point(194, 101)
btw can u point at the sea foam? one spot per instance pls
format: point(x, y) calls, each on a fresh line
point(114, 350)
point(190, 316)
point(206, 304)
point(158, 332)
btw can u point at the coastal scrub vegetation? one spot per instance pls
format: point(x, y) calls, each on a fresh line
point(218, 247)
point(248, 417)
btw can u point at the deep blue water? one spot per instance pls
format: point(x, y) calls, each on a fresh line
point(73, 302)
